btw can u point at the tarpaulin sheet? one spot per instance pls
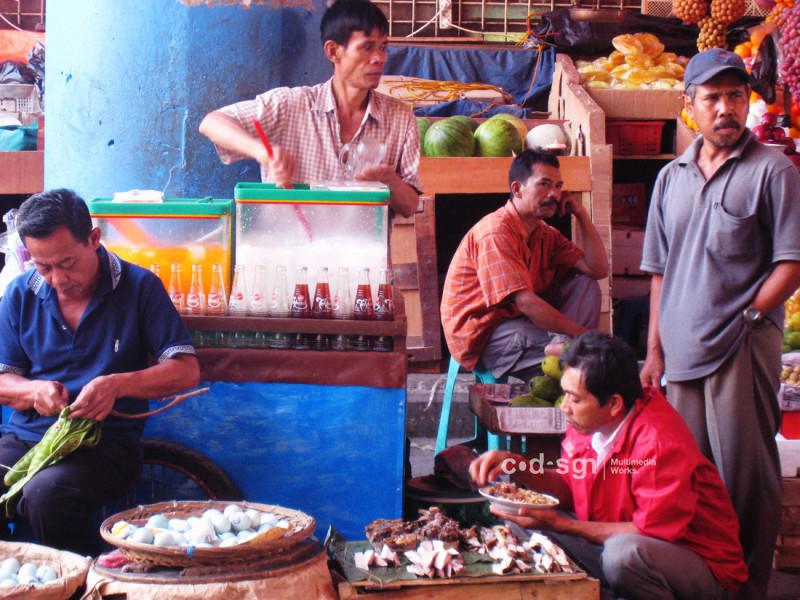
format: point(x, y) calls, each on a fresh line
point(467, 107)
point(334, 452)
point(510, 69)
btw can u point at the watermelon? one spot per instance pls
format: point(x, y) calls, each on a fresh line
point(473, 124)
point(497, 137)
point(518, 123)
point(448, 138)
point(423, 123)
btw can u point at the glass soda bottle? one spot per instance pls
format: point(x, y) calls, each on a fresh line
point(301, 308)
point(362, 308)
point(216, 301)
point(258, 301)
point(155, 269)
point(342, 299)
point(279, 303)
point(176, 288)
point(237, 305)
point(384, 303)
point(196, 298)
point(322, 307)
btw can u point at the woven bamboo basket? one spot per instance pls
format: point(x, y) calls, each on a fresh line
point(301, 526)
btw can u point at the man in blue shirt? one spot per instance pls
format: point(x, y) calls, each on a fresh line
point(80, 330)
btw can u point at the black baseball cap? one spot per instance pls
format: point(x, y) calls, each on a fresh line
point(710, 63)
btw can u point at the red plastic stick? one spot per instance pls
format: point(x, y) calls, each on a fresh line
point(297, 211)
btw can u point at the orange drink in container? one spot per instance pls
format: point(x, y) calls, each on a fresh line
point(183, 231)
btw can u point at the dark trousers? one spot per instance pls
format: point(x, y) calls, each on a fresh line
point(59, 503)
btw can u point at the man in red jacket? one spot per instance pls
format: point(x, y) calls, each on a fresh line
point(652, 517)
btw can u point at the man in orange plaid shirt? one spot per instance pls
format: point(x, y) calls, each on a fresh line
point(515, 283)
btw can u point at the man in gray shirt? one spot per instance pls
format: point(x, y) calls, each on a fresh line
point(723, 246)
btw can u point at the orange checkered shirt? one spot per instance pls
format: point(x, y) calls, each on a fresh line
point(496, 258)
point(303, 121)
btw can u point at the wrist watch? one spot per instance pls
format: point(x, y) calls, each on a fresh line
point(753, 317)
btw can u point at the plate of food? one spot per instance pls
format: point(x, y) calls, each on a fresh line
point(510, 498)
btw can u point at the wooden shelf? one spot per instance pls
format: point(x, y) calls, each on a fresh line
point(396, 328)
point(644, 156)
point(23, 172)
point(476, 175)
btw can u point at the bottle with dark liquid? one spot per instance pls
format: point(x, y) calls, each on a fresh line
point(362, 307)
point(322, 307)
point(301, 307)
point(384, 303)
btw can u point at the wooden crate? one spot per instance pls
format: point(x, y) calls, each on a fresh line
point(787, 550)
point(453, 589)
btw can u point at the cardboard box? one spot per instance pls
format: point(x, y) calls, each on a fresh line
point(638, 104)
point(628, 204)
point(626, 255)
point(630, 287)
point(490, 402)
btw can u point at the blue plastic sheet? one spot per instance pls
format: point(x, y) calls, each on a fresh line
point(509, 69)
point(334, 452)
point(467, 107)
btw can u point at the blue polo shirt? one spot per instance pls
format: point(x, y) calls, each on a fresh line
point(129, 319)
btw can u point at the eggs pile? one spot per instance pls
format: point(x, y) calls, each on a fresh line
point(13, 573)
point(213, 529)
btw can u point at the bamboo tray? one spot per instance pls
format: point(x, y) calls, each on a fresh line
point(301, 526)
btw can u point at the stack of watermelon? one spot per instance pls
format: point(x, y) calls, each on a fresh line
point(501, 135)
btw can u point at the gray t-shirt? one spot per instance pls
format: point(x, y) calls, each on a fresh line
point(715, 243)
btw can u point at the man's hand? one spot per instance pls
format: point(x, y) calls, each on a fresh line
point(534, 518)
point(489, 466)
point(382, 173)
point(281, 166)
point(96, 399)
point(653, 369)
point(571, 205)
point(47, 398)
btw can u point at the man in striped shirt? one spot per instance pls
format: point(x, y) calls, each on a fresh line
point(515, 282)
point(308, 126)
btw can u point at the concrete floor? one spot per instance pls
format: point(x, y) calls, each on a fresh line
point(424, 392)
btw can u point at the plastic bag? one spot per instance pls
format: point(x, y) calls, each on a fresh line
point(18, 138)
point(36, 63)
point(18, 259)
point(16, 72)
point(593, 38)
point(764, 74)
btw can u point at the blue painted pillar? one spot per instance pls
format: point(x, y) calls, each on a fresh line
point(128, 82)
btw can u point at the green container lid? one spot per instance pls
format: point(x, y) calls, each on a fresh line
point(170, 207)
point(301, 193)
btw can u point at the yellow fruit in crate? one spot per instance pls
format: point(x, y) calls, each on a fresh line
point(616, 58)
point(651, 45)
point(621, 71)
point(599, 84)
point(660, 72)
point(627, 44)
point(794, 322)
point(639, 60)
point(592, 72)
point(664, 84)
point(640, 77)
point(666, 58)
point(676, 69)
point(602, 63)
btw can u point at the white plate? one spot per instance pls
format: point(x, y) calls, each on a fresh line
point(510, 506)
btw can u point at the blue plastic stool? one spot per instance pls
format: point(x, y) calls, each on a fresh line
point(492, 440)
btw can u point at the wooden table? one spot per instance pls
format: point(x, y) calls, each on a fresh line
point(561, 587)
